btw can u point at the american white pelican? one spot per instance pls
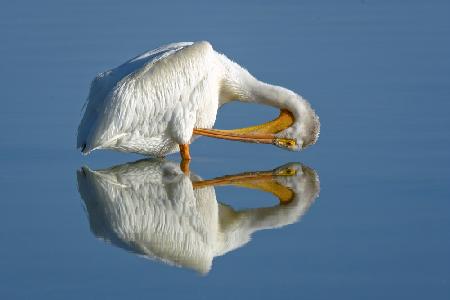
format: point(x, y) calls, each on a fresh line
point(153, 209)
point(155, 103)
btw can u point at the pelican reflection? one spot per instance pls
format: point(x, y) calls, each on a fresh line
point(153, 209)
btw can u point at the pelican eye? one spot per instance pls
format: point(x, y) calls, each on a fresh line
point(288, 172)
point(286, 142)
point(290, 143)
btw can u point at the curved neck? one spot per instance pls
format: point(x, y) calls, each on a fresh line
point(239, 84)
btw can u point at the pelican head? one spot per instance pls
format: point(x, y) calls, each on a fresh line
point(297, 137)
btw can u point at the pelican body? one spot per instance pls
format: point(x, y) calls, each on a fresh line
point(158, 102)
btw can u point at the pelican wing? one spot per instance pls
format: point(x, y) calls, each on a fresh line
point(122, 84)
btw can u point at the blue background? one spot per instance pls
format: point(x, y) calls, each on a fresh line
point(378, 75)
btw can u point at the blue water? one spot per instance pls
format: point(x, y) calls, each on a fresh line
point(378, 75)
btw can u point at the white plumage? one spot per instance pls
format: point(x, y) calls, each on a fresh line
point(151, 208)
point(152, 103)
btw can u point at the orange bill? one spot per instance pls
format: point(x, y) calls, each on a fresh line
point(263, 133)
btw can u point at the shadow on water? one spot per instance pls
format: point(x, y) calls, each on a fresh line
point(152, 208)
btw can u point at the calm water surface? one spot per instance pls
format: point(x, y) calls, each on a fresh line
point(378, 74)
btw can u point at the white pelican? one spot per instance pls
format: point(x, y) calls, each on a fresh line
point(156, 102)
point(152, 208)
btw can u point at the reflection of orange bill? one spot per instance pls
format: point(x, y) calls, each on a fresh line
point(264, 181)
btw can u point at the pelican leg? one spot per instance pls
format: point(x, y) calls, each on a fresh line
point(184, 166)
point(185, 158)
point(184, 151)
